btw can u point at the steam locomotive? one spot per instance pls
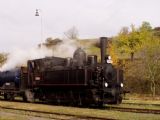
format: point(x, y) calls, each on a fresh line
point(80, 80)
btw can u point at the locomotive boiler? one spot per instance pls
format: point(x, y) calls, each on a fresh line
point(80, 80)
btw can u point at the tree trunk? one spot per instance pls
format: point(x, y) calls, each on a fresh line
point(153, 89)
point(132, 56)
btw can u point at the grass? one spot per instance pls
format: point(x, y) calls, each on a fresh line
point(81, 111)
point(11, 116)
point(147, 102)
point(143, 106)
point(142, 99)
point(133, 101)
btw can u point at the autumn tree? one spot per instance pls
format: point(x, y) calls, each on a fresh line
point(128, 41)
point(50, 42)
point(150, 55)
point(156, 31)
point(145, 32)
point(3, 58)
point(142, 41)
point(72, 33)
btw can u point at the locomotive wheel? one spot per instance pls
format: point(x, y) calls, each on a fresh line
point(8, 96)
point(24, 97)
point(100, 104)
point(118, 100)
point(28, 96)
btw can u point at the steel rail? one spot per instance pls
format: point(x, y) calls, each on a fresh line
point(37, 113)
point(134, 110)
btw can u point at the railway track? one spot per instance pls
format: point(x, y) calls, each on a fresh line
point(134, 110)
point(51, 115)
point(58, 115)
point(141, 104)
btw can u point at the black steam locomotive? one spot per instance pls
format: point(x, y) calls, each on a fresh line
point(80, 80)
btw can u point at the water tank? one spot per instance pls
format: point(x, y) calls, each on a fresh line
point(10, 76)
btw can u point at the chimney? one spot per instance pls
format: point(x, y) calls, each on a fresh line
point(103, 41)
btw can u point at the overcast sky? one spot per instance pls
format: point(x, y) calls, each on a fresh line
point(19, 27)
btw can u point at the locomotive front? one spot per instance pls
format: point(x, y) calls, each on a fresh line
point(112, 78)
point(104, 81)
point(112, 81)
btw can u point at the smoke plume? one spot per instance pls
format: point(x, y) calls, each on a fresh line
point(66, 48)
point(19, 57)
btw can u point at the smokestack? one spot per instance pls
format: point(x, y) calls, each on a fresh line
point(103, 41)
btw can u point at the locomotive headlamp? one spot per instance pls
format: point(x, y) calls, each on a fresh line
point(121, 85)
point(109, 60)
point(106, 84)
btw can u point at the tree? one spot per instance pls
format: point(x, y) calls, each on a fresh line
point(128, 41)
point(145, 26)
point(144, 71)
point(156, 31)
point(151, 61)
point(72, 33)
point(145, 32)
point(50, 42)
point(133, 42)
point(3, 58)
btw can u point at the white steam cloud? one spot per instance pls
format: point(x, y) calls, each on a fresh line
point(66, 48)
point(19, 57)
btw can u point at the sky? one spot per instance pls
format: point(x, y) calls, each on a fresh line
point(20, 28)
